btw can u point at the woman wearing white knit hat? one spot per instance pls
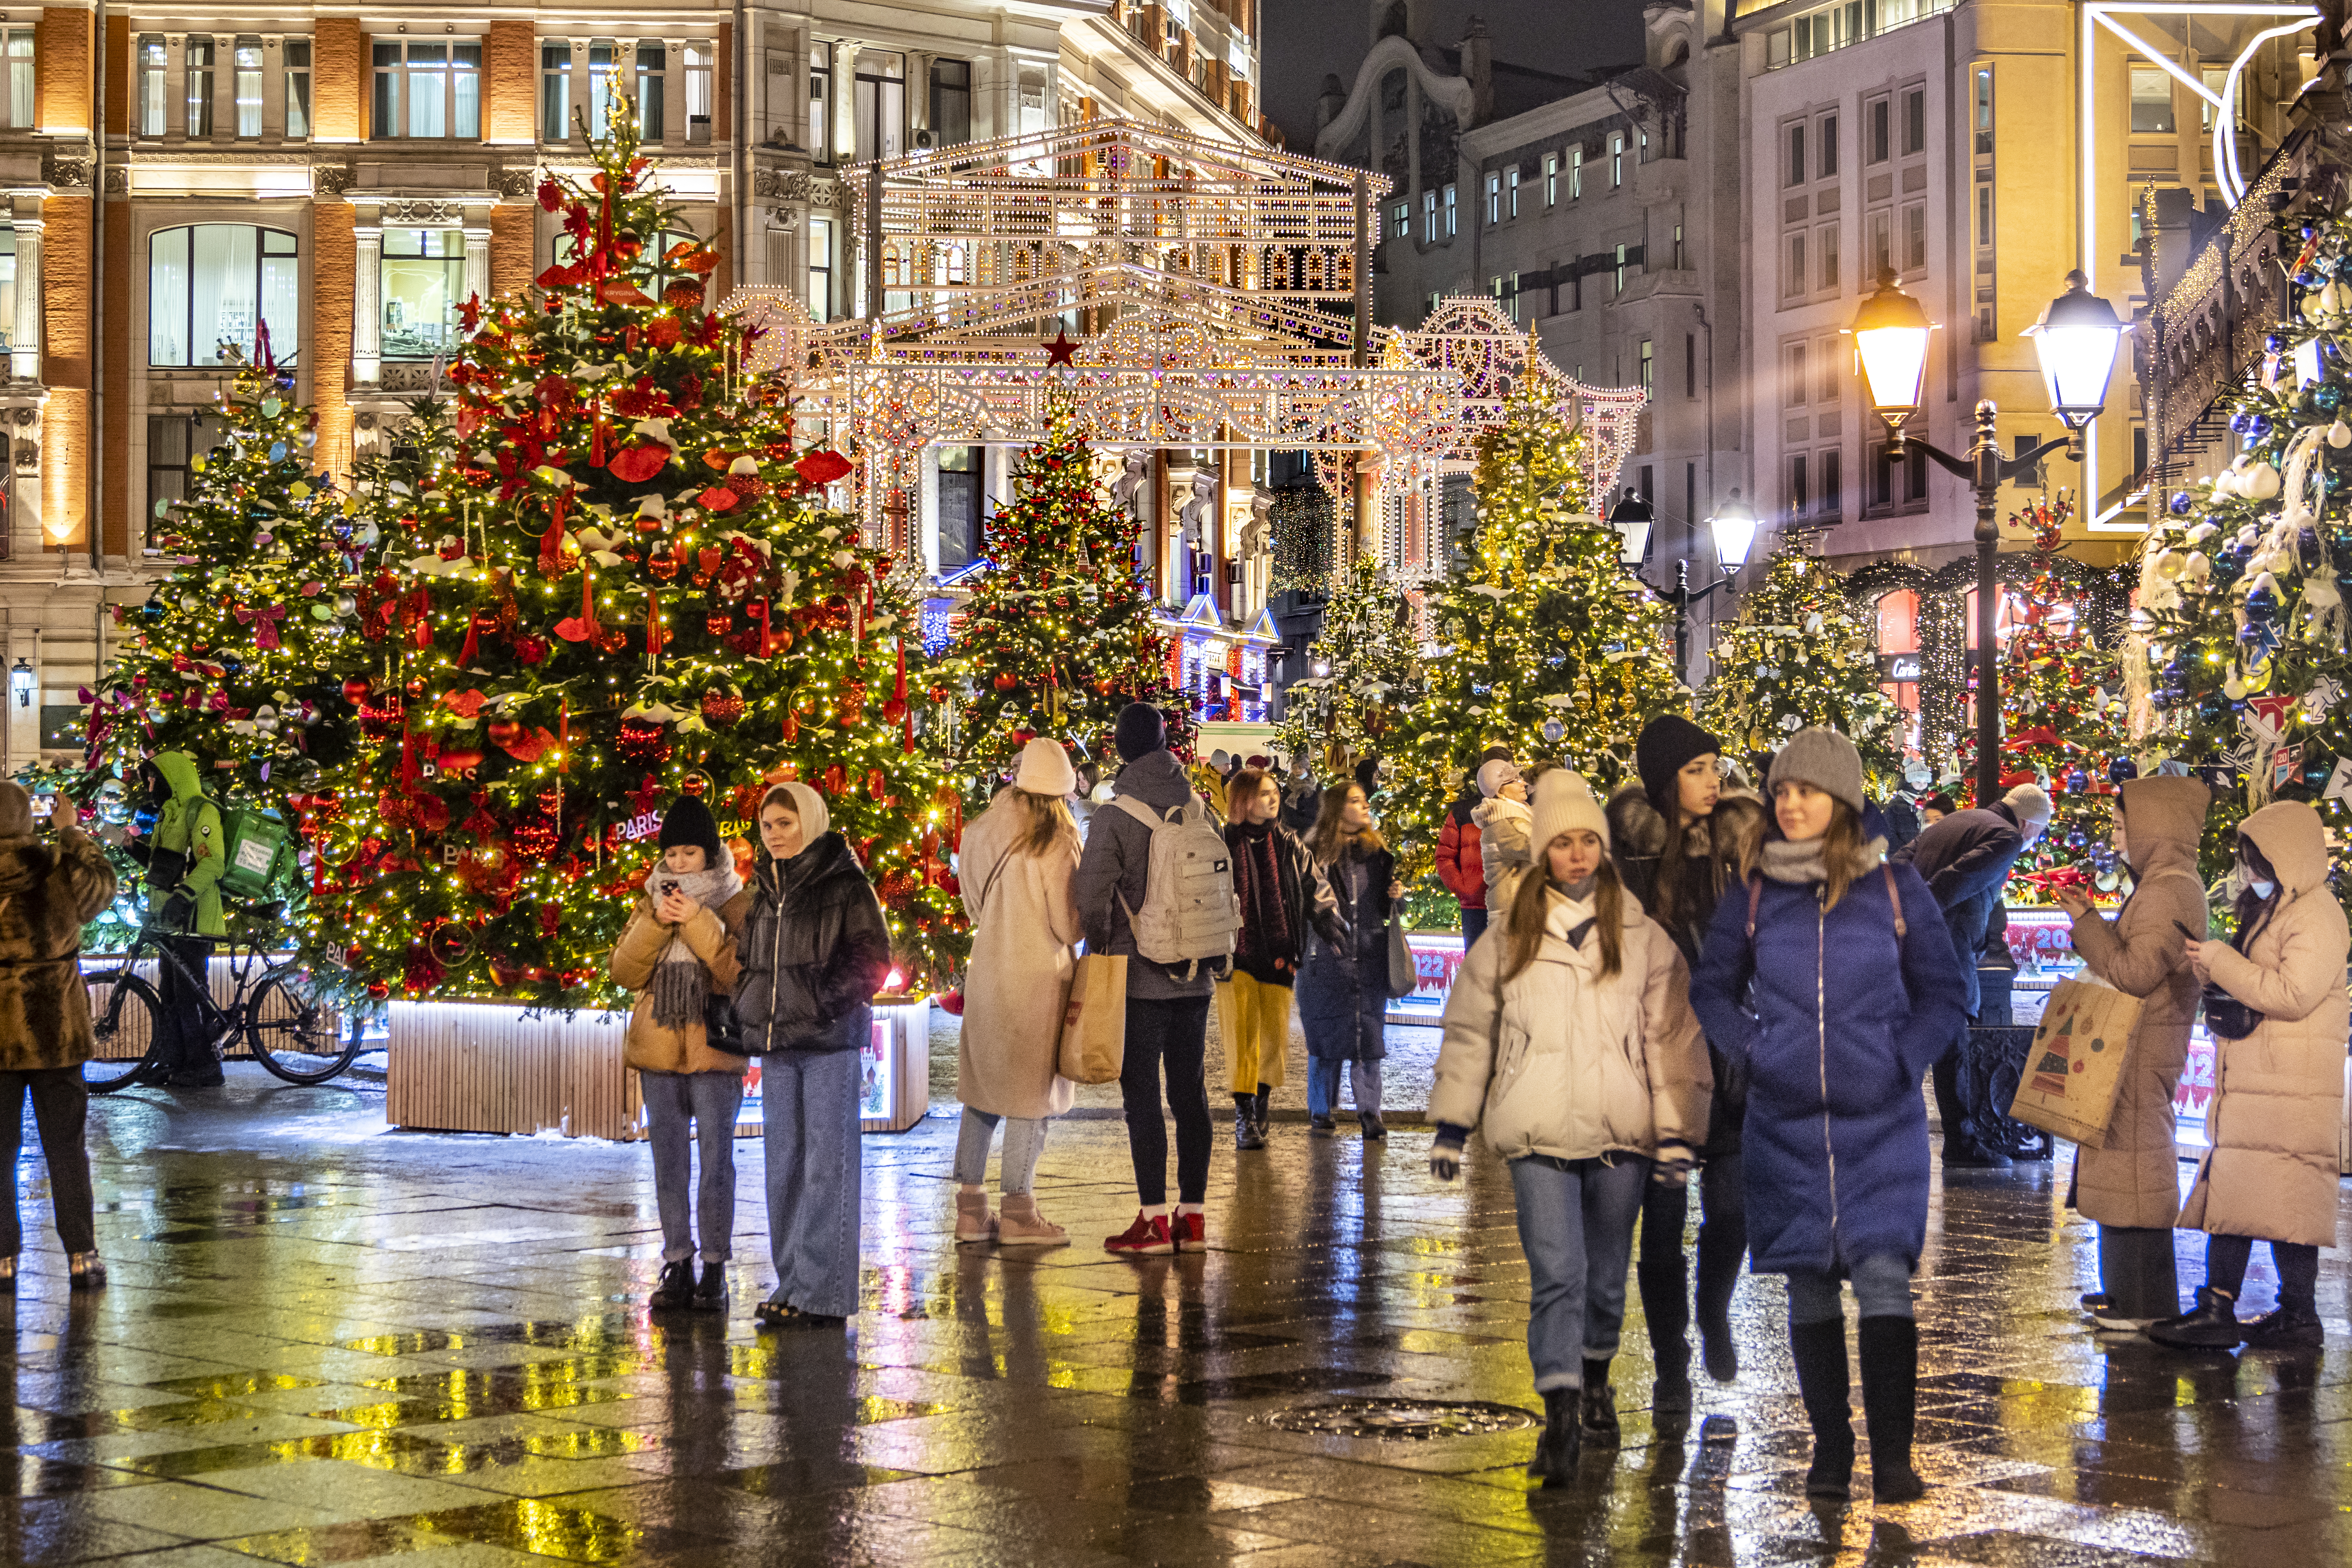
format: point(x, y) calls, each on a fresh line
point(1015, 866)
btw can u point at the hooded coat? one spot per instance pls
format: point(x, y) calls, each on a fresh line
point(1504, 851)
point(1116, 863)
point(814, 950)
point(2278, 1094)
point(1024, 919)
point(46, 895)
point(1343, 986)
point(2134, 1178)
point(657, 1048)
point(1461, 863)
point(190, 826)
point(1846, 1016)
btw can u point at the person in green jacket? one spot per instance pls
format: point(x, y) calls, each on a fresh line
point(185, 857)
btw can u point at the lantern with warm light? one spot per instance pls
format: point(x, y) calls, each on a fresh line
point(1734, 527)
point(1890, 348)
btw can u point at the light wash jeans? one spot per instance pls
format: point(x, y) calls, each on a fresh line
point(710, 1100)
point(1576, 1225)
point(1323, 1085)
point(808, 1113)
point(1882, 1288)
point(1024, 1141)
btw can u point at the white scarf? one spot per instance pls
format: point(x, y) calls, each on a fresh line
point(681, 986)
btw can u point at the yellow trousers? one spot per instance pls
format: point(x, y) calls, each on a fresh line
point(1255, 1020)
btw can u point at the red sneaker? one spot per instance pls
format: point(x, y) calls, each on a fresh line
point(1147, 1237)
point(1187, 1233)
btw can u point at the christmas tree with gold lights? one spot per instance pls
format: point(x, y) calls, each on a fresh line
point(1800, 654)
point(1363, 671)
point(617, 585)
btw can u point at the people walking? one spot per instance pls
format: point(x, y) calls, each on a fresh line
point(48, 893)
point(1505, 825)
point(1343, 985)
point(1855, 990)
point(2275, 1003)
point(677, 953)
point(1460, 862)
point(813, 950)
point(1569, 1036)
point(1965, 859)
point(1677, 837)
point(185, 859)
point(2131, 1184)
point(1167, 1005)
point(1282, 894)
point(1017, 865)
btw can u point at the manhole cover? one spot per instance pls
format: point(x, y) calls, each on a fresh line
point(1415, 1418)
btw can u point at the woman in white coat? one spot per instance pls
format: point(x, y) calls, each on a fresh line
point(1015, 867)
point(1570, 1034)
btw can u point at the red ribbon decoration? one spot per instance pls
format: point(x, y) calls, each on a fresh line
point(266, 637)
point(550, 543)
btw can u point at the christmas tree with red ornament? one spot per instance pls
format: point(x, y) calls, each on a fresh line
point(615, 584)
point(1059, 633)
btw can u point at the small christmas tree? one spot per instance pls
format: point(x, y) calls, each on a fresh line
point(615, 587)
point(1549, 643)
point(1363, 672)
point(1059, 634)
point(1800, 654)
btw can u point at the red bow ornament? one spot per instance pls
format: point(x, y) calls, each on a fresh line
point(266, 637)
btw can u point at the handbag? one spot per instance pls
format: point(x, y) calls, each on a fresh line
point(722, 1031)
point(1404, 974)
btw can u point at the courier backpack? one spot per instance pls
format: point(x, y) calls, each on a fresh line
point(1189, 912)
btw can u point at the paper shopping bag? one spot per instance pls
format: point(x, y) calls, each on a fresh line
point(2077, 1065)
point(1094, 1023)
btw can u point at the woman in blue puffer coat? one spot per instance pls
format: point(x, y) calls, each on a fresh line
point(1857, 991)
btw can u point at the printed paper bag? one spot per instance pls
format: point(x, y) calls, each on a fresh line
point(2076, 1066)
point(1094, 1024)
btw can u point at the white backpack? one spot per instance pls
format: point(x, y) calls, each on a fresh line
point(1190, 912)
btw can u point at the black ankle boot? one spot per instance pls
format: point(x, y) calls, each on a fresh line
point(1599, 1403)
point(1890, 1399)
point(1820, 1352)
point(1670, 1394)
point(1563, 1442)
point(1245, 1132)
point(2212, 1326)
point(1262, 1111)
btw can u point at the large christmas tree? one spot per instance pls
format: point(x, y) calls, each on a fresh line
point(616, 586)
point(1059, 634)
point(1363, 671)
point(1800, 654)
point(1547, 642)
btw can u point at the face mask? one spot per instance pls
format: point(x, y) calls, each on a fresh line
point(2263, 890)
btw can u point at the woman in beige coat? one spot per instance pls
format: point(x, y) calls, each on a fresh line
point(1015, 867)
point(2278, 1089)
point(2131, 1184)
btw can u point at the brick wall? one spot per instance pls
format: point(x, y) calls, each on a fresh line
point(65, 326)
point(511, 90)
point(514, 236)
point(61, 71)
point(338, 79)
point(328, 348)
point(115, 498)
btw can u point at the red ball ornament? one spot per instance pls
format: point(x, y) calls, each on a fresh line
point(719, 624)
point(723, 709)
point(530, 649)
point(1003, 680)
point(647, 745)
point(504, 732)
point(356, 690)
point(663, 567)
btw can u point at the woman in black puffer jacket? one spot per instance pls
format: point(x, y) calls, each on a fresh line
point(814, 950)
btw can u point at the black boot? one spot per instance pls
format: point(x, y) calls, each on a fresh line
point(1245, 1132)
point(1669, 1395)
point(710, 1292)
point(1890, 1399)
point(1262, 1111)
point(2212, 1326)
point(1599, 1403)
point(675, 1285)
point(1819, 1352)
point(1563, 1442)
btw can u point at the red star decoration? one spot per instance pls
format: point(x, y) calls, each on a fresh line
point(1059, 350)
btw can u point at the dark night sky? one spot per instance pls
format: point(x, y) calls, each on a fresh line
point(1306, 39)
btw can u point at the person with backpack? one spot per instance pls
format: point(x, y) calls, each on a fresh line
point(1343, 985)
point(1677, 836)
point(1855, 990)
point(1154, 821)
point(48, 893)
point(1282, 895)
point(677, 953)
point(1017, 865)
point(184, 858)
point(2275, 1005)
point(813, 949)
point(1461, 863)
point(1570, 1038)
point(2130, 1184)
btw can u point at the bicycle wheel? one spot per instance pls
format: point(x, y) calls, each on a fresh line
point(124, 1011)
point(296, 1033)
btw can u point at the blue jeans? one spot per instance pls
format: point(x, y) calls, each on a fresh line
point(710, 1100)
point(1024, 1141)
point(1323, 1085)
point(1576, 1225)
point(1882, 1288)
point(808, 1113)
point(1474, 926)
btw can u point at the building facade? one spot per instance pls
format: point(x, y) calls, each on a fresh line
point(347, 182)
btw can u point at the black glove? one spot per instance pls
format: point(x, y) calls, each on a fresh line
point(1672, 1168)
point(1445, 1152)
point(177, 911)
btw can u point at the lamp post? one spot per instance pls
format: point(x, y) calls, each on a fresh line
point(2076, 341)
point(1734, 527)
point(1630, 517)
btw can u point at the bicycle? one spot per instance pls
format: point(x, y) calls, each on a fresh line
point(277, 1011)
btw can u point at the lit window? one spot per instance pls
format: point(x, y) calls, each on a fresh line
point(2151, 100)
point(1616, 159)
point(1649, 364)
point(554, 90)
point(424, 285)
point(819, 134)
point(428, 88)
point(152, 62)
point(1494, 200)
point(1551, 179)
point(198, 60)
point(820, 268)
point(1429, 216)
point(880, 99)
point(298, 88)
point(248, 87)
point(1453, 218)
point(1511, 181)
point(18, 109)
point(1576, 171)
point(1400, 220)
point(211, 284)
point(600, 72)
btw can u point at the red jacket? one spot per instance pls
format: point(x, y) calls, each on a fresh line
point(1458, 865)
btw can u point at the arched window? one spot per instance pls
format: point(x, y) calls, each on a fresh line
point(215, 284)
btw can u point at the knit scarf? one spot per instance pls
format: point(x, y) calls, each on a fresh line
point(1265, 936)
point(681, 986)
point(1801, 864)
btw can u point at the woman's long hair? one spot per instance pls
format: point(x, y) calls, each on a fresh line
point(2253, 910)
point(1047, 823)
point(1841, 852)
point(1523, 927)
point(1243, 786)
point(1325, 838)
point(1666, 890)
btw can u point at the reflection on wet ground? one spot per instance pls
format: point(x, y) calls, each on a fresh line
point(328, 1345)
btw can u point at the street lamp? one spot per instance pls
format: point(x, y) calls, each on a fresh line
point(1734, 527)
point(20, 681)
point(2075, 339)
point(1631, 517)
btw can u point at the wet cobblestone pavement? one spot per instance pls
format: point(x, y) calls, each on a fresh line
point(326, 1343)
